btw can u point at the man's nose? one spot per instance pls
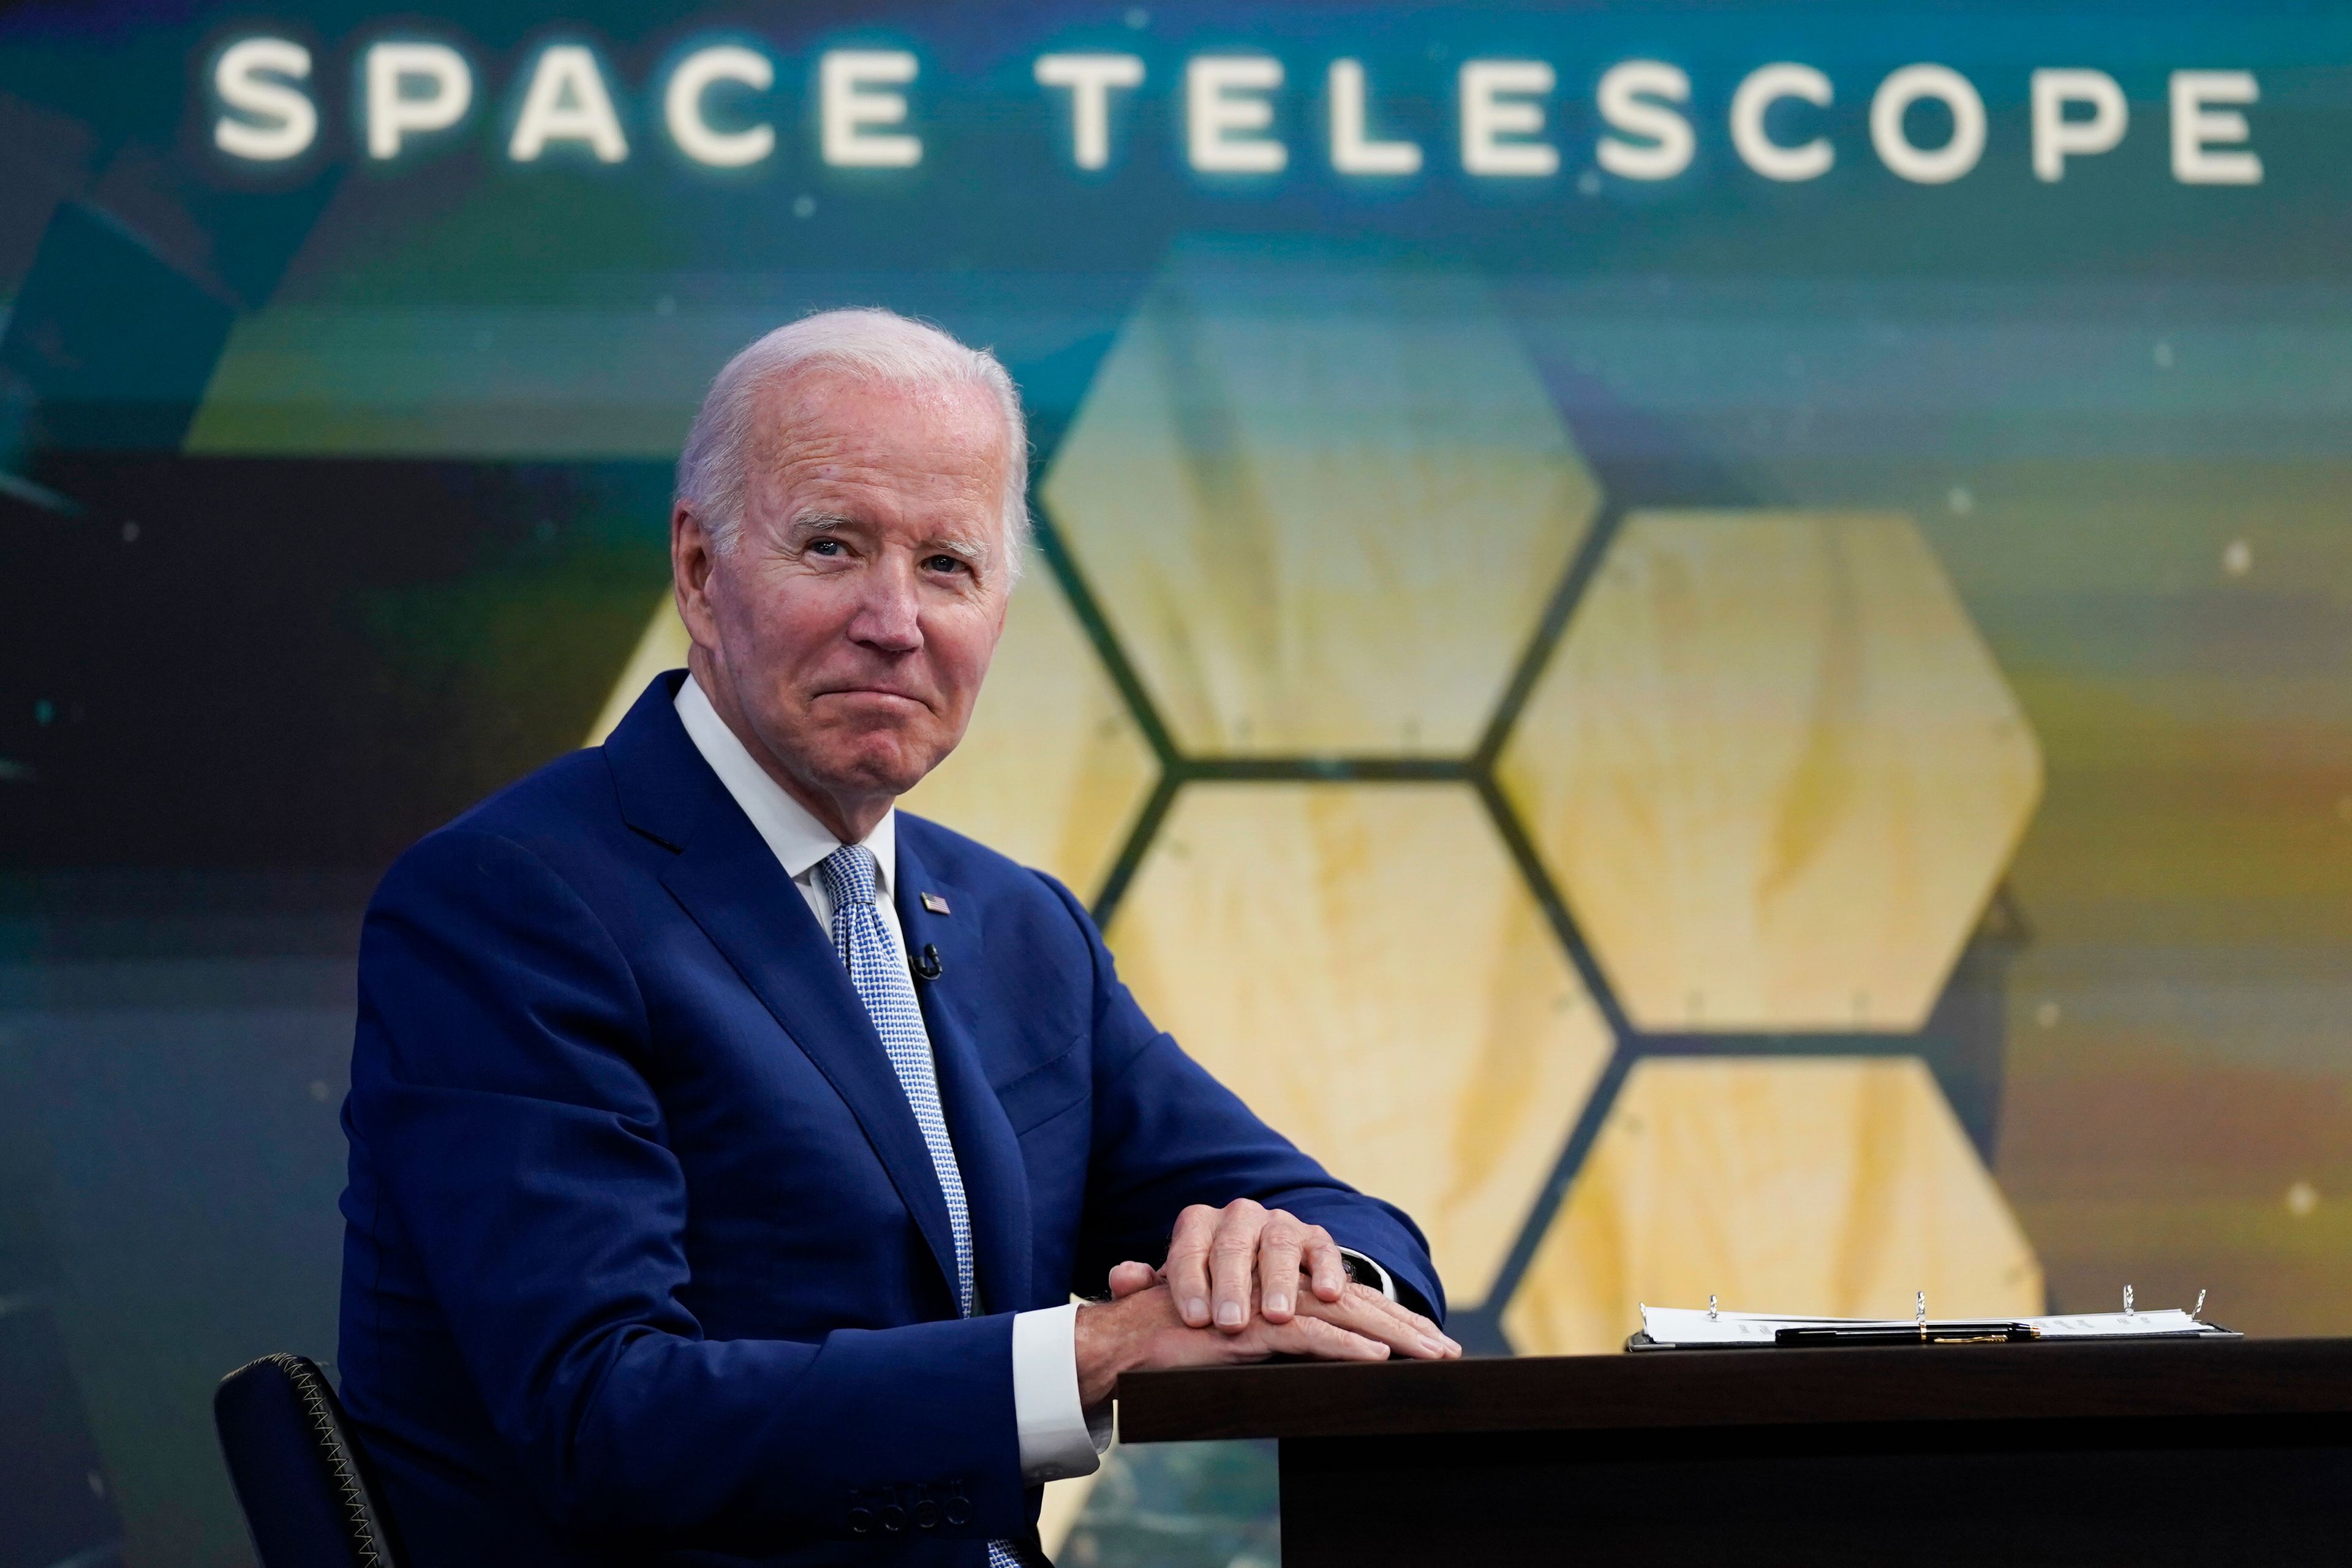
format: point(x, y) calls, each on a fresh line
point(888, 615)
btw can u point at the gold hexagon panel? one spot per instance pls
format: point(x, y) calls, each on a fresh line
point(1774, 771)
point(1051, 770)
point(1363, 965)
point(661, 646)
point(1836, 1186)
point(1322, 503)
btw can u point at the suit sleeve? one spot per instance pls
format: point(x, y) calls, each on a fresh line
point(500, 1095)
point(1167, 1135)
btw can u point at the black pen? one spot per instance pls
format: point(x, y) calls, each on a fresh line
point(1917, 1334)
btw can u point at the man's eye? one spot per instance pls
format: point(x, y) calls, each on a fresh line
point(944, 562)
point(825, 547)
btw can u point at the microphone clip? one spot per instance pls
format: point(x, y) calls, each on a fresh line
point(928, 967)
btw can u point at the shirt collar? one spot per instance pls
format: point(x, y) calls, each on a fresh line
point(798, 839)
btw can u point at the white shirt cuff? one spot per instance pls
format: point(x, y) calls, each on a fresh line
point(1059, 1440)
point(1388, 1284)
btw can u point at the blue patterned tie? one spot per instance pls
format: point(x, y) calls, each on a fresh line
point(883, 984)
point(880, 974)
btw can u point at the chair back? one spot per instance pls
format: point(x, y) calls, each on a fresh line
point(301, 1480)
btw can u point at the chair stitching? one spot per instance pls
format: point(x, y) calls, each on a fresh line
point(322, 1424)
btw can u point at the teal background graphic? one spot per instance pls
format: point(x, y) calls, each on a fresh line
point(334, 496)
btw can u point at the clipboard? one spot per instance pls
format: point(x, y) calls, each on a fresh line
point(1689, 1329)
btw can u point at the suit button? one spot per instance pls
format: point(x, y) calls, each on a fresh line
point(861, 1521)
point(894, 1518)
point(959, 1508)
point(927, 1515)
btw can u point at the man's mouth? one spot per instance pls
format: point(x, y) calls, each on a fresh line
point(890, 692)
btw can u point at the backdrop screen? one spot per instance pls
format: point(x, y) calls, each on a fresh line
point(1711, 644)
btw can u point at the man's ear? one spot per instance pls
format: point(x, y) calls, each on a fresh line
point(693, 556)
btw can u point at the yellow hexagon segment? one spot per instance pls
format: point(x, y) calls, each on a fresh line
point(1774, 771)
point(1836, 1186)
point(1051, 770)
point(661, 646)
point(1322, 504)
point(1364, 967)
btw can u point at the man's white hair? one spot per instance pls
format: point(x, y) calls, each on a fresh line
point(866, 343)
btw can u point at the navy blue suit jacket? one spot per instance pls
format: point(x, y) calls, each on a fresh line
point(646, 1259)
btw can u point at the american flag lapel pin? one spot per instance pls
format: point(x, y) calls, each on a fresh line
point(936, 904)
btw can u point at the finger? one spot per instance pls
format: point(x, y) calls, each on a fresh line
point(1188, 1263)
point(1278, 1250)
point(1421, 1324)
point(1128, 1277)
point(1447, 1347)
point(1317, 1337)
point(1372, 1300)
point(1233, 1258)
point(1410, 1318)
point(1327, 1271)
point(1364, 1311)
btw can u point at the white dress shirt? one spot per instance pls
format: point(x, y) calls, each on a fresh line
point(1056, 1440)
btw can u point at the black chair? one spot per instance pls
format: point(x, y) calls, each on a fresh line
point(301, 1480)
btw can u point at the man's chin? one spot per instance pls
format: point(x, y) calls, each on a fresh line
point(891, 769)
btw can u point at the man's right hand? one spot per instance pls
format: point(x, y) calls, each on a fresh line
point(1141, 1328)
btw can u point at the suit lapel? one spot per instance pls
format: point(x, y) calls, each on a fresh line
point(995, 1181)
point(729, 881)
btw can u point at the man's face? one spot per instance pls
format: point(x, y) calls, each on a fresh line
point(849, 627)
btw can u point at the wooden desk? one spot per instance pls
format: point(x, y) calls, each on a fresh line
point(2139, 1455)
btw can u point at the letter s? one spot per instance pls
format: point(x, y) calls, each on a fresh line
point(282, 120)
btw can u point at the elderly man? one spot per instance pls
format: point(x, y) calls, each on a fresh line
point(726, 1147)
